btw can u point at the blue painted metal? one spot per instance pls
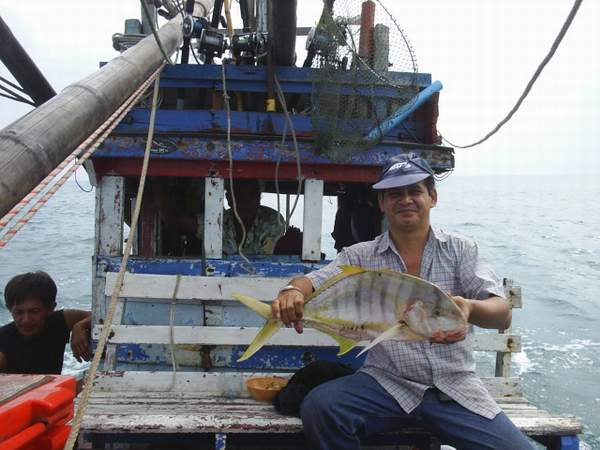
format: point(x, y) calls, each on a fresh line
point(172, 122)
point(402, 113)
point(568, 443)
point(283, 266)
point(292, 79)
point(277, 358)
point(220, 441)
point(260, 150)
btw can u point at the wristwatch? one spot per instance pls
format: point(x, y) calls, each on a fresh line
point(290, 287)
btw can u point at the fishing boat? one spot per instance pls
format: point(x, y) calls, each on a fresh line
point(162, 295)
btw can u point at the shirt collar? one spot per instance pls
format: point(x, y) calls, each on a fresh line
point(435, 234)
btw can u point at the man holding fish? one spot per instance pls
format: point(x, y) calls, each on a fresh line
point(422, 368)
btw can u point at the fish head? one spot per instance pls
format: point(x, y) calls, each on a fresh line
point(430, 318)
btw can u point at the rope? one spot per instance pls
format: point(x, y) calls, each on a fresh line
point(172, 331)
point(531, 82)
point(230, 156)
point(156, 36)
point(95, 139)
point(296, 149)
point(89, 379)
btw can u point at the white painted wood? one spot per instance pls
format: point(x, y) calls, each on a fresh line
point(109, 216)
point(213, 217)
point(177, 413)
point(110, 357)
point(195, 287)
point(232, 384)
point(159, 334)
point(503, 366)
point(127, 402)
point(313, 216)
point(88, 165)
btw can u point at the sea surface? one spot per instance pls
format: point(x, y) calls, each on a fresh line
point(541, 231)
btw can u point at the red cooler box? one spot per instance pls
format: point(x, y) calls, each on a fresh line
point(34, 411)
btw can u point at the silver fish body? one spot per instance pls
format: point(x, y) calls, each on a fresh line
point(369, 305)
point(364, 304)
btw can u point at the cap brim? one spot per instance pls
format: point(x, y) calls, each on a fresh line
point(404, 180)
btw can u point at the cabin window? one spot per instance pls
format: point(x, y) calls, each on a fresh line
point(193, 217)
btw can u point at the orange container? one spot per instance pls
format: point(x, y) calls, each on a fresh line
point(54, 439)
point(36, 413)
point(264, 389)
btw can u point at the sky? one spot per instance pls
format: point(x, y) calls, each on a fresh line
point(483, 51)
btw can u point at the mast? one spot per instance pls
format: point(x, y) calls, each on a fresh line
point(32, 146)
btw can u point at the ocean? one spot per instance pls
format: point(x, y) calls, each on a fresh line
point(543, 232)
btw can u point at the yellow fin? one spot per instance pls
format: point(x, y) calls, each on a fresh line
point(347, 269)
point(345, 344)
point(270, 328)
point(260, 308)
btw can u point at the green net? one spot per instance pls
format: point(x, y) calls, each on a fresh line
point(359, 50)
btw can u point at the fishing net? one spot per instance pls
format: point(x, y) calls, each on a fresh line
point(359, 49)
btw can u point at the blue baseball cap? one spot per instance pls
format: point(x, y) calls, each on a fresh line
point(403, 170)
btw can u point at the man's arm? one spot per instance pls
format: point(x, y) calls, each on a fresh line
point(494, 313)
point(80, 324)
point(3, 363)
point(289, 304)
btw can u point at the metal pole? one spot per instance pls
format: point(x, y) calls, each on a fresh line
point(35, 144)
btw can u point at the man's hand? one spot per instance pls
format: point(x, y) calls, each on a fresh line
point(465, 306)
point(80, 343)
point(289, 307)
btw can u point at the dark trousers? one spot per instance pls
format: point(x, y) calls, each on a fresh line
point(337, 414)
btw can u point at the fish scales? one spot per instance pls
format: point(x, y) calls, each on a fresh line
point(360, 304)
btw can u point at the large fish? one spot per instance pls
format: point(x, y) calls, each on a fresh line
point(369, 305)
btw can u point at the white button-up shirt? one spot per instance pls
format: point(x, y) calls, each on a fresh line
point(407, 369)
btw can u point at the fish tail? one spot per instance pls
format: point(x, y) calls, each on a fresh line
point(261, 308)
point(270, 328)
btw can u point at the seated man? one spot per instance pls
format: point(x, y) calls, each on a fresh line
point(35, 342)
point(429, 382)
point(264, 226)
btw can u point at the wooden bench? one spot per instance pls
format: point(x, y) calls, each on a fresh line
point(169, 406)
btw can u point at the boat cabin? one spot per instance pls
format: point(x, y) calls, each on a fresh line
point(171, 370)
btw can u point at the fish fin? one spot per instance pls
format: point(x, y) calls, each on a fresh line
point(261, 308)
point(400, 329)
point(345, 344)
point(348, 269)
point(270, 328)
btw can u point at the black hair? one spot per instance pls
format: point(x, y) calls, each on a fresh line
point(31, 284)
point(429, 184)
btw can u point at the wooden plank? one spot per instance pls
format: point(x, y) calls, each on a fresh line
point(232, 384)
point(109, 216)
point(512, 293)
point(178, 420)
point(187, 412)
point(194, 287)
point(159, 334)
point(110, 357)
point(313, 216)
point(13, 385)
point(213, 217)
point(108, 239)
